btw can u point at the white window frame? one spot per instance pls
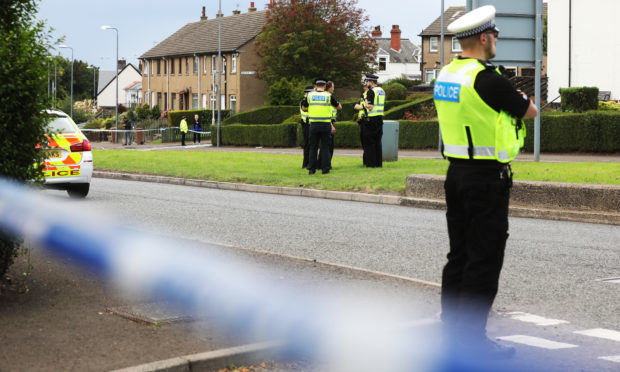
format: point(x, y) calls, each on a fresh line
point(195, 102)
point(204, 67)
point(430, 71)
point(152, 69)
point(456, 46)
point(212, 101)
point(196, 63)
point(213, 62)
point(223, 101)
point(146, 67)
point(432, 39)
point(233, 64)
point(233, 98)
point(386, 59)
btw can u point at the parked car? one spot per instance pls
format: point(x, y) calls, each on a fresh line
point(68, 163)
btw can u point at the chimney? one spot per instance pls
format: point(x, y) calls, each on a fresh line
point(121, 64)
point(395, 38)
point(251, 8)
point(203, 17)
point(235, 12)
point(219, 14)
point(377, 32)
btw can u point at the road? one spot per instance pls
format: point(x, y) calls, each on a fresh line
point(552, 269)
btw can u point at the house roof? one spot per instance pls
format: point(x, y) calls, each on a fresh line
point(202, 36)
point(105, 77)
point(136, 85)
point(406, 54)
point(114, 76)
point(450, 15)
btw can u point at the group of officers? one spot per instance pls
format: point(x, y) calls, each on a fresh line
point(319, 109)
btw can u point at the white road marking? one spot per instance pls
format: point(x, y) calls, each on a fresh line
point(537, 342)
point(601, 333)
point(612, 358)
point(538, 320)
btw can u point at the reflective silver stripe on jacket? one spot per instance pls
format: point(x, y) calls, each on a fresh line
point(478, 151)
point(320, 119)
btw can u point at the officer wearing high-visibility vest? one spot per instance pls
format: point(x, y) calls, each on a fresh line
point(479, 114)
point(373, 130)
point(319, 105)
point(305, 127)
point(183, 130)
point(362, 116)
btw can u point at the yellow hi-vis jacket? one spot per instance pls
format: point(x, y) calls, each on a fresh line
point(303, 114)
point(183, 126)
point(378, 103)
point(471, 129)
point(319, 107)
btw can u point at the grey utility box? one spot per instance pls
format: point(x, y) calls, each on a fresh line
point(389, 141)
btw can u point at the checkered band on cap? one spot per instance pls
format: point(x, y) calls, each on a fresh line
point(475, 31)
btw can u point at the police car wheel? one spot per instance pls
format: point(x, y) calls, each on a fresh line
point(78, 191)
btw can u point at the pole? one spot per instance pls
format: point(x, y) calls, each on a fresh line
point(537, 90)
point(55, 81)
point(116, 63)
point(219, 75)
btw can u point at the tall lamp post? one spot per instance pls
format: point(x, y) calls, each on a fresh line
point(219, 74)
point(68, 47)
point(116, 62)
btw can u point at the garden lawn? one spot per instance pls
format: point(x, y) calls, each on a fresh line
point(348, 174)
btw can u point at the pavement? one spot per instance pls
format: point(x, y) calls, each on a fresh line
point(53, 316)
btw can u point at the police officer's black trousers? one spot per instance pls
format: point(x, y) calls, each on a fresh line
point(373, 150)
point(305, 131)
point(477, 202)
point(319, 132)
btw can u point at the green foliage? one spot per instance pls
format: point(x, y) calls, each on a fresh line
point(204, 115)
point(143, 112)
point(274, 135)
point(263, 115)
point(292, 119)
point(407, 83)
point(155, 112)
point(286, 92)
point(23, 99)
point(608, 106)
point(395, 91)
point(96, 123)
point(303, 40)
point(579, 99)
point(418, 134)
point(422, 108)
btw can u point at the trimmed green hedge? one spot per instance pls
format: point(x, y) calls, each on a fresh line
point(263, 115)
point(270, 135)
point(579, 99)
point(414, 134)
point(174, 117)
point(416, 107)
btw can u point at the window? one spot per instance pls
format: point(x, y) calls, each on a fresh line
point(204, 65)
point(510, 72)
point(146, 68)
point(159, 99)
point(223, 65)
point(233, 103)
point(186, 65)
point(456, 46)
point(174, 101)
point(233, 64)
point(526, 71)
point(212, 106)
point(146, 97)
point(196, 65)
point(430, 74)
point(223, 102)
point(194, 101)
point(165, 101)
point(213, 61)
point(382, 63)
point(152, 69)
point(158, 66)
point(172, 67)
point(165, 66)
point(180, 66)
point(433, 44)
point(204, 101)
point(153, 98)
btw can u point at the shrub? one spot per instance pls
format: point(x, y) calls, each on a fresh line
point(422, 108)
point(395, 91)
point(285, 92)
point(579, 99)
point(418, 134)
point(155, 112)
point(293, 119)
point(404, 82)
point(94, 124)
point(263, 115)
point(272, 135)
point(143, 112)
point(608, 106)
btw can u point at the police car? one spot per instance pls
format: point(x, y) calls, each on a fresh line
point(68, 163)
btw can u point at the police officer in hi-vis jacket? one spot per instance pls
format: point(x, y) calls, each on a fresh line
point(479, 114)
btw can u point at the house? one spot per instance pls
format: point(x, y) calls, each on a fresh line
point(180, 73)
point(396, 57)
point(431, 38)
point(133, 92)
point(579, 53)
point(106, 95)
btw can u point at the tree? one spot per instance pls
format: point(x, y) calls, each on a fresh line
point(23, 98)
point(306, 39)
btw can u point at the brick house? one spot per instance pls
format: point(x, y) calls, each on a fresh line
point(180, 73)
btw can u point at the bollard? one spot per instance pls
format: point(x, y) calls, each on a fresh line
point(139, 136)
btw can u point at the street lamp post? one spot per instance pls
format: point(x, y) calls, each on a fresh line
point(219, 74)
point(115, 29)
point(68, 47)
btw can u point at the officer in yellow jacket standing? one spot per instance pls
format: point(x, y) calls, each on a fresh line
point(373, 127)
point(480, 116)
point(183, 130)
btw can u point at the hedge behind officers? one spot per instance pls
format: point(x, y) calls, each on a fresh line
point(373, 127)
point(480, 116)
point(319, 105)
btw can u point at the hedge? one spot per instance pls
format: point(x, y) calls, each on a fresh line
point(415, 107)
point(174, 117)
point(579, 99)
point(413, 134)
point(270, 135)
point(263, 115)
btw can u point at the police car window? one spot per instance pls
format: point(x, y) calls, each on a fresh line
point(61, 125)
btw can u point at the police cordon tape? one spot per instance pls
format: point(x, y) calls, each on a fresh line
point(355, 332)
point(139, 130)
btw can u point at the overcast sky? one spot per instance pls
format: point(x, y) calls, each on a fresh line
point(144, 23)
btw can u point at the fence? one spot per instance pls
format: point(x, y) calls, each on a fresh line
point(141, 136)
